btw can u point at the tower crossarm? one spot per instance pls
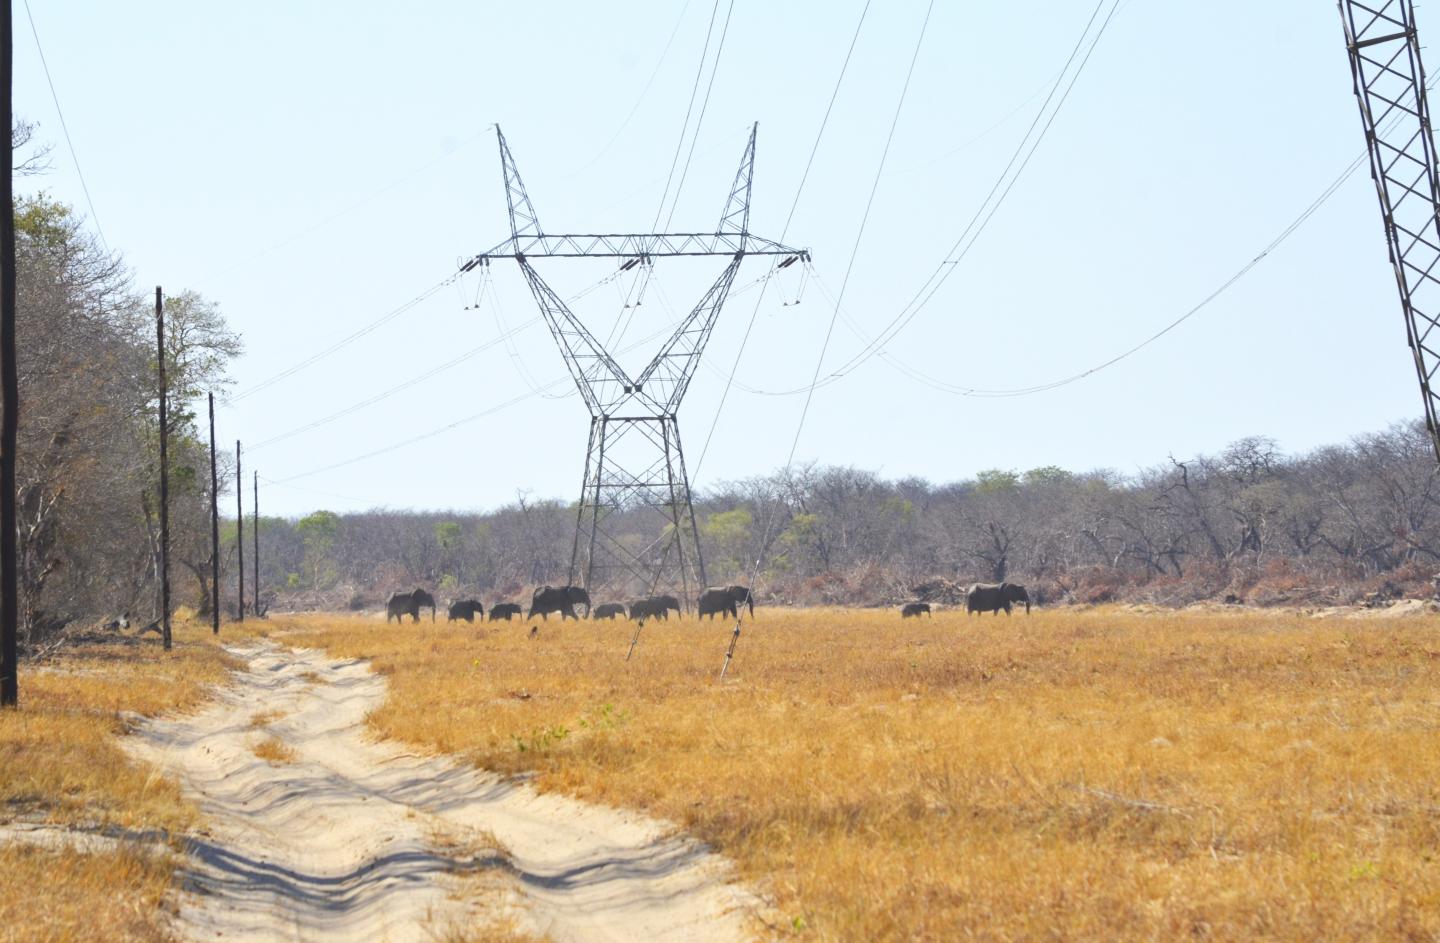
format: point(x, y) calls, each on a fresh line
point(632, 246)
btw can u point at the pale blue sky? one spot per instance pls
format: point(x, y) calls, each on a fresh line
point(310, 167)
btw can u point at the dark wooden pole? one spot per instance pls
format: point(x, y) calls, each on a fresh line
point(240, 531)
point(214, 528)
point(9, 393)
point(255, 537)
point(164, 473)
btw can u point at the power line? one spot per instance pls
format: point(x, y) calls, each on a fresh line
point(415, 439)
point(74, 158)
point(516, 359)
point(819, 362)
point(400, 387)
point(859, 235)
point(926, 379)
point(794, 204)
point(947, 267)
point(328, 494)
point(643, 278)
point(643, 92)
point(347, 210)
point(506, 336)
point(459, 422)
point(346, 340)
point(694, 90)
point(704, 106)
point(1022, 154)
point(1244, 270)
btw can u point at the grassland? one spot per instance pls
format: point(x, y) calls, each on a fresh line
point(61, 765)
point(1097, 774)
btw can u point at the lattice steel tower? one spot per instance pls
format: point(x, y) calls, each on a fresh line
point(1390, 88)
point(634, 461)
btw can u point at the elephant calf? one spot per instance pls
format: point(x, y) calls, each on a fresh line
point(466, 609)
point(914, 609)
point(608, 610)
point(655, 607)
point(504, 610)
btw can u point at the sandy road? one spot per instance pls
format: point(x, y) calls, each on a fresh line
point(356, 839)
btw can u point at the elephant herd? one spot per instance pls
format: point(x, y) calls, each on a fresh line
point(715, 601)
point(720, 600)
point(980, 597)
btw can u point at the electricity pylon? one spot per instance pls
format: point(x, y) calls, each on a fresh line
point(634, 460)
point(1390, 88)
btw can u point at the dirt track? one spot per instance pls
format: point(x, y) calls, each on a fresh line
point(356, 839)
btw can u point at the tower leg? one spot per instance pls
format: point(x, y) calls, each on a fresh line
point(690, 508)
point(635, 473)
point(671, 453)
point(595, 503)
point(580, 510)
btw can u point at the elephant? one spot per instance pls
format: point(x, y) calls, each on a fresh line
point(466, 609)
point(728, 599)
point(505, 610)
point(561, 599)
point(742, 594)
point(403, 604)
point(608, 610)
point(715, 601)
point(642, 609)
point(914, 609)
point(655, 608)
point(992, 597)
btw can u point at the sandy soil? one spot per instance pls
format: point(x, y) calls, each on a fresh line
point(353, 839)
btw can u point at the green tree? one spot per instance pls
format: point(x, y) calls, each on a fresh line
point(727, 536)
point(1048, 475)
point(318, 533)
point(996, 479)
point(447, 535)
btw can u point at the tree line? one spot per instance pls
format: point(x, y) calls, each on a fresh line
point(87, 456)
point(1250, 523)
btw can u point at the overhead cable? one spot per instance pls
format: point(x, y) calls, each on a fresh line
point(64, 127)
point(819, 362)
point(794, 204)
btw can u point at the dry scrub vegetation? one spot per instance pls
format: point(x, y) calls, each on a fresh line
point(1094, 774)
point(60, 763)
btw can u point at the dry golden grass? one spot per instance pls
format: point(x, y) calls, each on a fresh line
point(60, 896)
point(1095, 774)
point(274, 750)
point(60, 762)
point(263, 719)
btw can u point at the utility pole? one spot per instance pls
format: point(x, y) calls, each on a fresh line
point(164, 473)
point(9, 393)
point(255, 515)
point(240, 531)
point(214, 528)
